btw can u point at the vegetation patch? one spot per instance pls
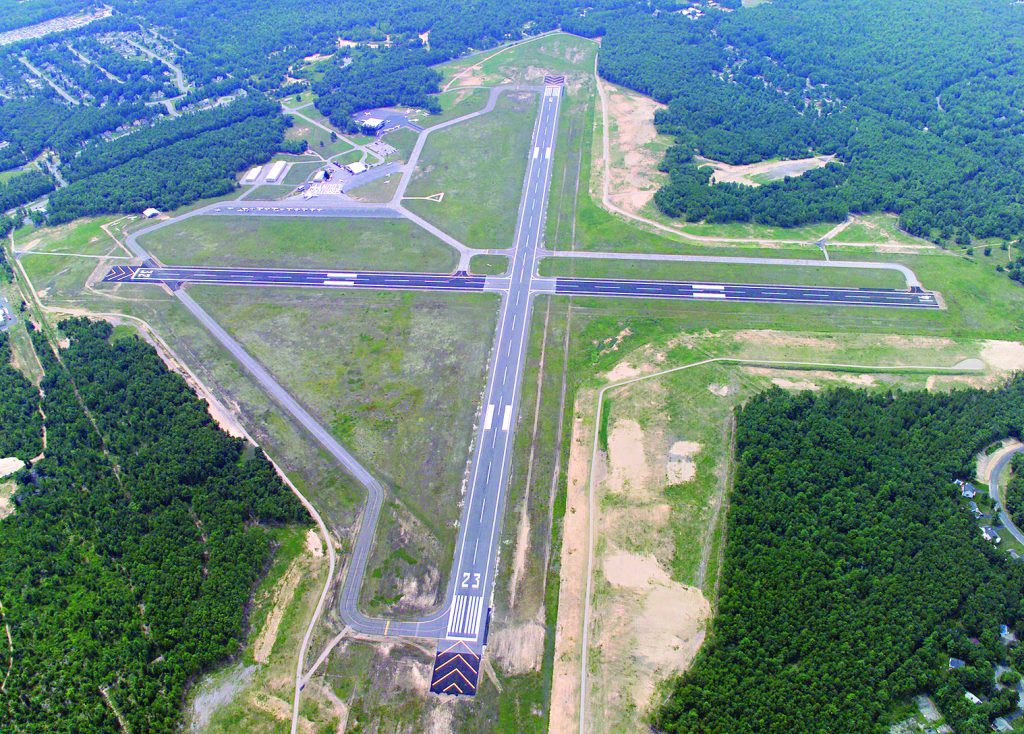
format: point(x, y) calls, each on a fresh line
point(488, 264)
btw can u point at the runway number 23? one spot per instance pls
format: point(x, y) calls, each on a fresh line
point(467, 576)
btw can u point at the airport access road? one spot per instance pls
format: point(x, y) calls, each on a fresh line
point(993, 492)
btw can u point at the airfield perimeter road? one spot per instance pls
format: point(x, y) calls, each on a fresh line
point(608, 287)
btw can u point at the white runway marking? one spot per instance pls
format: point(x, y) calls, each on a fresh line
point(490, 417)
point(506, 421)
point(708, 295)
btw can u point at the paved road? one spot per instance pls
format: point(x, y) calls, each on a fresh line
point(296, 278)
point(743, 292)
point(993, 492)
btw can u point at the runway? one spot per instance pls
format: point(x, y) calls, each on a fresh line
point(607, 287)
point(746, 292)
point(173, 276)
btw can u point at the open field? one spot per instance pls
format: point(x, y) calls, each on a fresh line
point(721, 272)
point(882, 228)
point(367, 244)
point(317, 139)
point(299, 172)
point(636, 148)
point(523, 63)
point(379, 370)
point(763, 172)
point(456, 103)
point(378, 191)
point(479, 166)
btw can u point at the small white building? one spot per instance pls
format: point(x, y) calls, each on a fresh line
point(356, 168)
point(372, 124)
point(252, 175)
point(150, 213)
point(320, 176)
point(275, 172)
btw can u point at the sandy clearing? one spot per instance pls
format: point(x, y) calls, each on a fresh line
point(519, 648)
point(721, 391)
point(1003, 355)
point(629, 470)
point(633, 571)
point(279, 710)
point(633, 170)
point(314, 543)
point(519, 559)
point(670, 632)
point(10, 465)
point(681, 466)
point(283, 595)
point(775, 170)
point(648, 627)
point(786, 384)
point(623, 371)
point(7, 490)
point(985, 463)
point(565, 684)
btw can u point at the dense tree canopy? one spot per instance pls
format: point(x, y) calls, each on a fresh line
point(136, 542)
point(919, 101)
point(853, 570)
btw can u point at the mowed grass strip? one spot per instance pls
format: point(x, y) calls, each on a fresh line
point(722, 272)
point(488, 265)
point(479, 165)
point(297, 242)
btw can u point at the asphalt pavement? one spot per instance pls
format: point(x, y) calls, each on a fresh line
point(743, 292)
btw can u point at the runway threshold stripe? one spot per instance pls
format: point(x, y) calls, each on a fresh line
point(489, 418)
point(506, 421)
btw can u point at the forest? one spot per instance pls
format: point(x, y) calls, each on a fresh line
point(853, 570)
point(1015, 489)
point(172, 164)
point(136, 542)
point(923, 123)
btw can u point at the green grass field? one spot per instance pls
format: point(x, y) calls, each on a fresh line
point(488, 264)
point(455, 103)
point(479, 166)
point(882, 228)
point(362, 244)
point(379, 369)
point(526, 63)
point(299, 172)
point(721, 272)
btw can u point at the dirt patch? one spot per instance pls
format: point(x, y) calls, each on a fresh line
point(630, 471)
point(633, 571)
point(280, 710)
point(650, 628)
point(519, 559)
point(782, 339)
point(722, 391)
point(283, 595)
point(633, 172)
point(565, 685)
point(1003, 356)
point(519, 648)
point(7, 490)
point(766, 170)
point(681, 466)
point(10, 465)
point(314, 545)
point(787, 384)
